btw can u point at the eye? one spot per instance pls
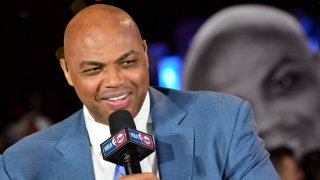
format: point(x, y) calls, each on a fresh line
point(283, 85)
point(288, 78)
point(91, 71)
point(128, 63)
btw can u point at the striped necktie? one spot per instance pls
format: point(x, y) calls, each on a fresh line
point(119, 169)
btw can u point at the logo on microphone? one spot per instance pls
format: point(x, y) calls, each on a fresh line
point(113, 143)
point(141, 138)
point(120, 138)
point(127, 138)
point(108, 146)
point(145, 139)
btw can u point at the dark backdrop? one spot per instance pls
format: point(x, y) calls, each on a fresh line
point(32, 30)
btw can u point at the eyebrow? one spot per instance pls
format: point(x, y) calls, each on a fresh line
point(125, 55)
point(284, 61)
point(96, 63)
point(91, 63)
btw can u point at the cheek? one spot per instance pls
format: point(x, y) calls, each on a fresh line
point(141, 78)
point(305, 102)
point(85, 88)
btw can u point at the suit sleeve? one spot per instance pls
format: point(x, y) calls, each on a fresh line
point(247, 157)
point(3, 173)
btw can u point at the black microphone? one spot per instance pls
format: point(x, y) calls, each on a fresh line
point(126, 146)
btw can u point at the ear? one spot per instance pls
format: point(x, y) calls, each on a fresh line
point(145, 49)
point(66, 71)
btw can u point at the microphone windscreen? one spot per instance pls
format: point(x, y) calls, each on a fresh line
point(119, 120)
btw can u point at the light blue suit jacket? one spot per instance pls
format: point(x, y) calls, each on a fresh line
point(198, 135)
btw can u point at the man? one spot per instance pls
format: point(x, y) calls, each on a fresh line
point(197, 135)
point(260, 53)
point(285, 163)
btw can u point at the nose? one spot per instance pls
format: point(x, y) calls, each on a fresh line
point(113, 78)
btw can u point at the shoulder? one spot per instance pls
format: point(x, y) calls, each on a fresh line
point(204, 107)
point(201, 99)
point(38, 150)
point(42, 140)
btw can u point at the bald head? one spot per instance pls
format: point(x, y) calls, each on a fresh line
point(96, 20)
point(106, 59)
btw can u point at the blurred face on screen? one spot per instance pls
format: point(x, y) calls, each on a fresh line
point(277, 75)
point(106, 62)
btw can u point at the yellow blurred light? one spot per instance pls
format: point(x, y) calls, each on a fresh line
point(59, 53)
point(77, 6)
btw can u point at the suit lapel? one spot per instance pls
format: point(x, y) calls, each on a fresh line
point(74, 157)
point(174, 142)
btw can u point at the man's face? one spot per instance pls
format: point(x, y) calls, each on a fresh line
point(277, 76)
point(109, 71)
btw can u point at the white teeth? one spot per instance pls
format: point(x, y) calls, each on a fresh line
point(118, 97)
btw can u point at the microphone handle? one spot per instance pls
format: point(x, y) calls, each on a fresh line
point(131, 163)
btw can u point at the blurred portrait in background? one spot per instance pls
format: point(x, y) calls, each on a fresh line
point(260, 53)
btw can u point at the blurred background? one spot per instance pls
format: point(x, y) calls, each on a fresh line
point(34, 93)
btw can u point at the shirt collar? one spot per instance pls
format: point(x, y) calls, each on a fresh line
point(99, 132)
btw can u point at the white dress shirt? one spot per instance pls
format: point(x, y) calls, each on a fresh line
point(98, 133)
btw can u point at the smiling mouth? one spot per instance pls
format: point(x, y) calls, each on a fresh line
point(118, 101)
point(117, 98)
